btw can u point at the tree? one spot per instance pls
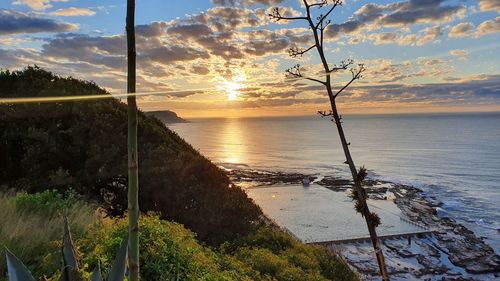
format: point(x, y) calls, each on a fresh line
point(87, 144)
point(318, 27)
point(133, 169)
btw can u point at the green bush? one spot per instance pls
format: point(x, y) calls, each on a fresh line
point(87, 144)
point(168, 250)
point(31, 228)
point(70, 267)
point(262, 260)
point(265, 237)
point(275, 254)
point(48, 202)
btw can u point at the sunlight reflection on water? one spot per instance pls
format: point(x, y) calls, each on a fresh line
point(232, 146)
point(454, 157)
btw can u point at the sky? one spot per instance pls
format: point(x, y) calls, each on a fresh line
point(228, 58)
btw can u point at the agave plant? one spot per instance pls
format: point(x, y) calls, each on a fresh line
point(19, 272)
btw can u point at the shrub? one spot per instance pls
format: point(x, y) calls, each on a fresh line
point(266, 237)
point(262, 260)
point(275, 254)
point(70, 270)
point(33, 232)
point(87, 144)
point(48, 202)
point(168, 250)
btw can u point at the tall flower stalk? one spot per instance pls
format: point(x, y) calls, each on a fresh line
point(317, 26)
point(133, 167)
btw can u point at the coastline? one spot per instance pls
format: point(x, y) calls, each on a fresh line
point(452, 252)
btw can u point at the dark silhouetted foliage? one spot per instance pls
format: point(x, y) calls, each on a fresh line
point(83, 145)
point(168, 250)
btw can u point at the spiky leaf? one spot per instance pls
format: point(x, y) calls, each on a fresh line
point(64, 275)
point(16, 269)
point(118, 270)
point(375, 219)
point(362, 174)
point(69, 259)
point(96, 274)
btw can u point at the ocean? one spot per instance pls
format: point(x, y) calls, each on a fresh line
point(454, 157)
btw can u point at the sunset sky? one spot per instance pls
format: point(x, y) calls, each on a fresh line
point(228, 58)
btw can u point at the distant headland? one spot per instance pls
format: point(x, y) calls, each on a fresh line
point(167, 116)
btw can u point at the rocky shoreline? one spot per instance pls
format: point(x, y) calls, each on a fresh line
point(453, 252)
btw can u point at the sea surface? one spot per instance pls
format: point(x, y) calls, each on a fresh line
point(452, 157)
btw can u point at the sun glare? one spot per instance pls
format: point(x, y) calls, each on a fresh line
point(232, 87)
point(232, 90)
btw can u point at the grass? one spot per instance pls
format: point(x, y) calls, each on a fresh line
point(32, 225)
point(32, 229)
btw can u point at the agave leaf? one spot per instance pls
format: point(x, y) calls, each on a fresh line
point(64, 275)
point(96, 274)
point(118, 270)
point(16, 269)
point(70, 262)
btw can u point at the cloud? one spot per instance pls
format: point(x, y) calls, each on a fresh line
point(77, 45)
point(427, 35)
point(477, 90)
point(106, 51)
point(466, 29)
point(15, 41)
point(396, 15)
point(165, 48)
point(13, 22)
point(488, 27)
point(483, 90)
point(219, 31)
point(246, 2)
point(265, 47)
point(169, 54)
point(73, 12)
point(190, 30)
point(466, 91)
point(230, 18)
point(386, 71)
point(37, 4)
point(461, 54)
point(230, 41)
point(418, 11)
point(11, 57)
point(200, 69)
point(152, 30)
point(383, 38)
point(462, 29)
point(489, 5)
point(430, 34)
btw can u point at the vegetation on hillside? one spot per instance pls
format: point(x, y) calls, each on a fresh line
point(70, 158)
point(168, 250)
point(31, 227)
point(82, 145)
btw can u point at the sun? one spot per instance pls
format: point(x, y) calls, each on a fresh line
point(232, 87)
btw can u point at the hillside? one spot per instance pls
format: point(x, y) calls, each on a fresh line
point(82, 145)
point(166, 116)
point(32, 228)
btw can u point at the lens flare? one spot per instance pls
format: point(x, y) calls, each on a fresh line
point(232, 87)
